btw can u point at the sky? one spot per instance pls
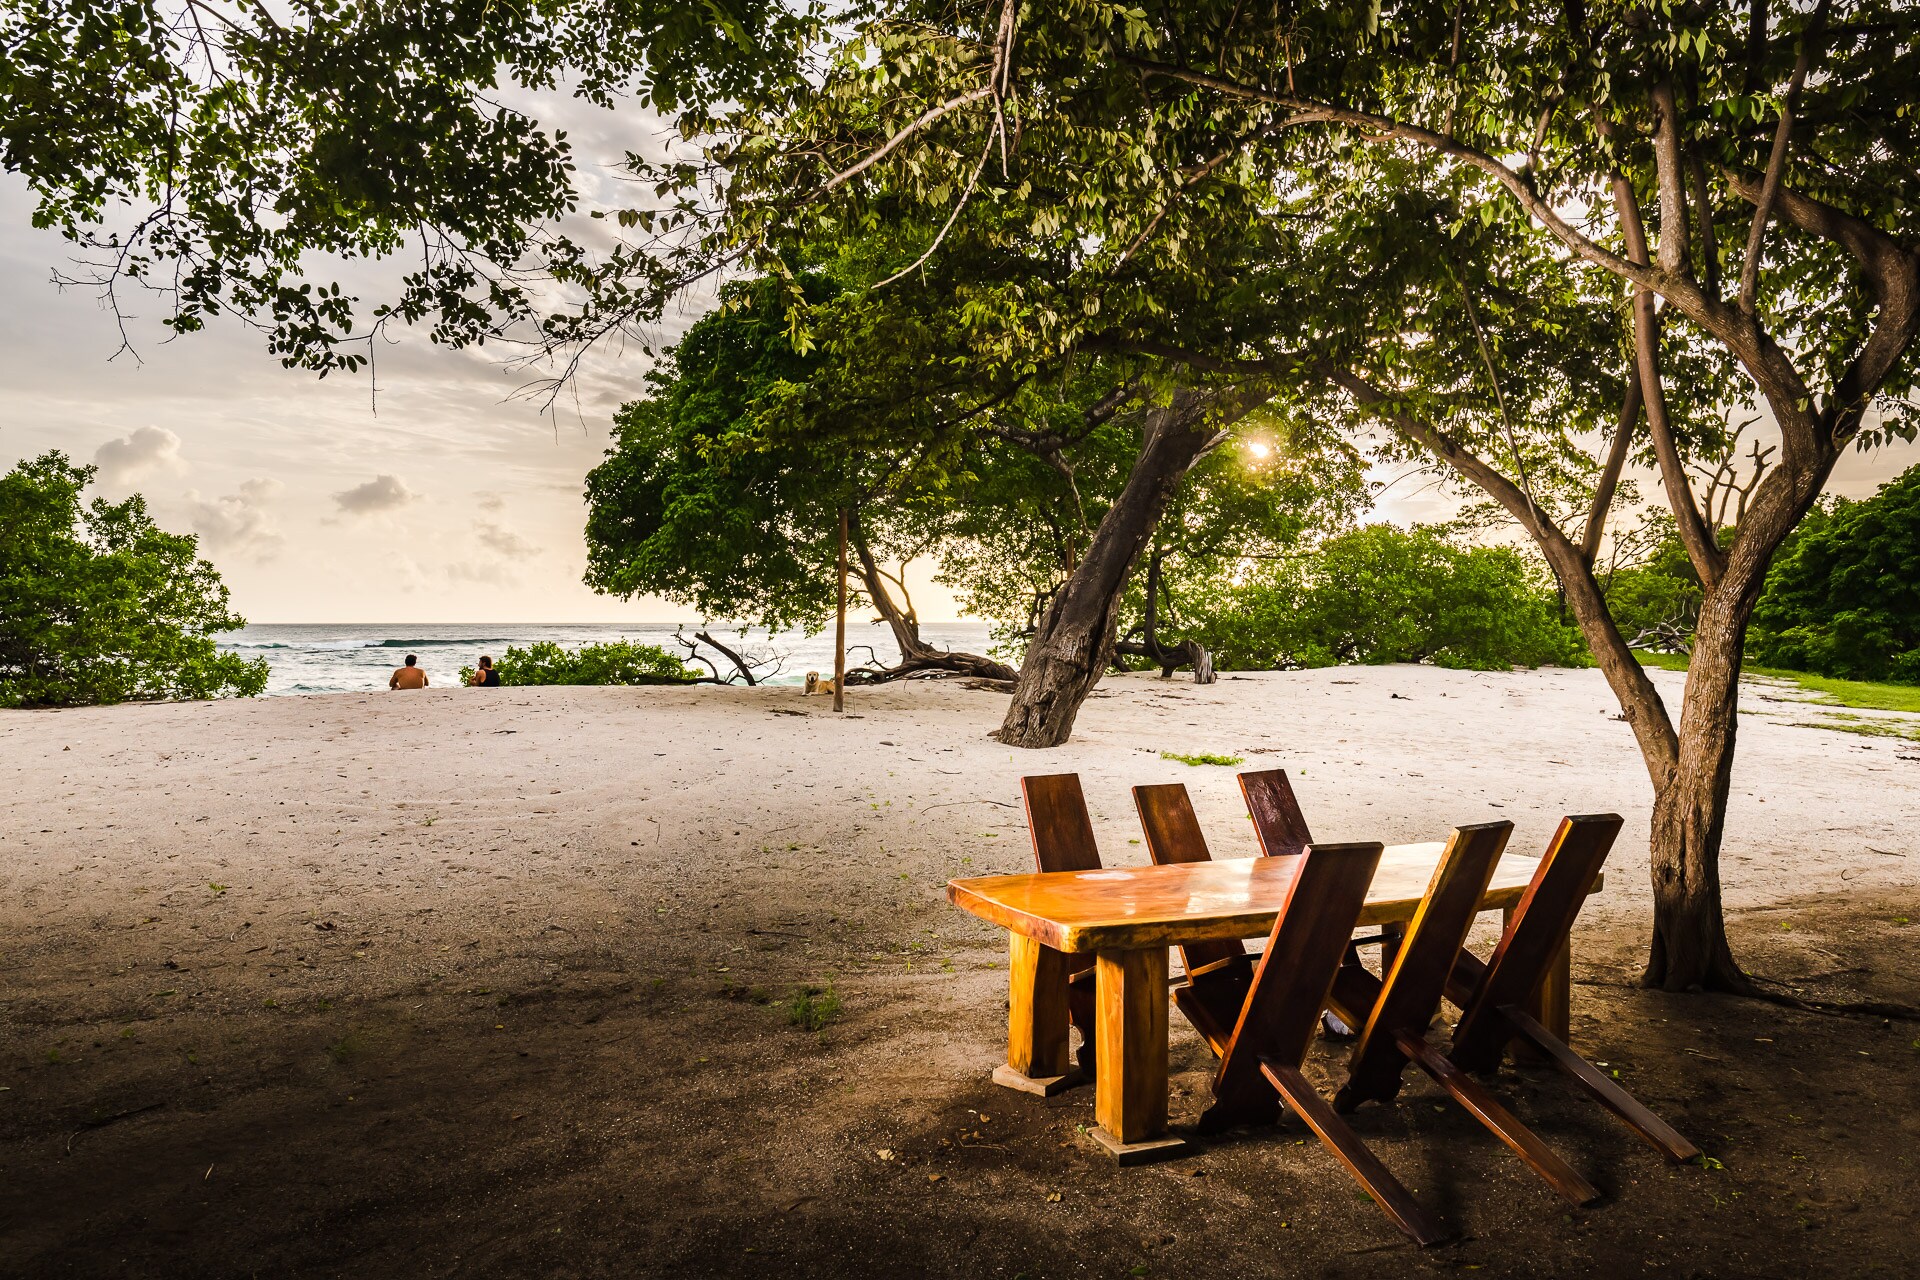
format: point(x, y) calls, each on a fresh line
point(427, 493)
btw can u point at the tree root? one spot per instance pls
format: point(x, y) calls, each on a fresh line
point(1749, 987)
point(934, 665)
point(1839, 1008)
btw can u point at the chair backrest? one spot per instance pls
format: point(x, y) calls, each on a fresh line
point(1277, 820)
point(1057, 817)
point(1411, 988)
point(1295, 973)
point(1535, 932)
point(1173, 835)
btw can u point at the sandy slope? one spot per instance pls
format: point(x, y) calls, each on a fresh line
point(580, 800)
point(413, 950)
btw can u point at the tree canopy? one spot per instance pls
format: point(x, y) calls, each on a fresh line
point(98, 604)
point(722, 488)
point(1843, 598)
point(216, 152)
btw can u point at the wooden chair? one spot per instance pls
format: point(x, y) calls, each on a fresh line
point(1394, 1012)
point(1219, 974)
point(1277, 820)
point(1494, 996)
point(1291, 985)
point(1063, 841)
point(1281, 828)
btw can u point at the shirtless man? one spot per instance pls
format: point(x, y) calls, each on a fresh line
point(409, 676)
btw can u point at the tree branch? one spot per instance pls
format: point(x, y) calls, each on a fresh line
point(1777, 163)
point(1617, 454)
point(1676, 254)
point(1703, 216)
point(1638, 697)
point(1754, 348)
point(1695, 534)
point(1891, 269)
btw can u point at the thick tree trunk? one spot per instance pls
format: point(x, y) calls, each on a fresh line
point(1073, 644)
point(1690, 949)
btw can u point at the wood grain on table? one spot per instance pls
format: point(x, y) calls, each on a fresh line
point(1124, 908)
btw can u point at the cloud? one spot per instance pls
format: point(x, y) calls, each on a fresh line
point(491, 574)
point(382, 493)
point(126, 459)
point(238, 522)
point(506, 542)
point(490, 501)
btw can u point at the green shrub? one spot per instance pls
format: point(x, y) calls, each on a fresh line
point(812, 1008)
point(1843, 595)
point(98, 604)
point(1382, 594)
point(617, 662)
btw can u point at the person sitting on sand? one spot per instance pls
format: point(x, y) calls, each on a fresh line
point(484, 676)
point(409, 676)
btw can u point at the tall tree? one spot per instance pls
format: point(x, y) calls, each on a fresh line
point(1751, 169)
point(1742, 174)
point(710, 498)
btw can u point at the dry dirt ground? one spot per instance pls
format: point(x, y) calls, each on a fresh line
point(497, 983)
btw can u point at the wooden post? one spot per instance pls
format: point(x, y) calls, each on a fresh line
point(840, 626)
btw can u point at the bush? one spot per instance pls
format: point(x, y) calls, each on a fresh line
point(99, 605)
point(1382, 594)
point(1843, 595)
point(618, 662)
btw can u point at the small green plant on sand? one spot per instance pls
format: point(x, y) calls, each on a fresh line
point(1203, 757)
point(812, 1008)
point(347, 1048)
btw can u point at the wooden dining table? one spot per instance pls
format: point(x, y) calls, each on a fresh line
point(1127, 918)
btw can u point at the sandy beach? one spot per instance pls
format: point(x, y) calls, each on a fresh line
point(469, 982)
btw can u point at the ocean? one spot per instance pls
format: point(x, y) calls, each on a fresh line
point(351, 657)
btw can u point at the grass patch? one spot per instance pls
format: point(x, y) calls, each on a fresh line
point(1867, 695)
point(1204, 757)
point(812, 1008)
point(1840, 722)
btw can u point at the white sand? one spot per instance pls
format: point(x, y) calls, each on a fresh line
point(447, 812)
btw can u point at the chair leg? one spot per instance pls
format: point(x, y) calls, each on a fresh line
point(1247, 1113)
point(1660, 1135)
point(1387, 1192)
point(1488, 1111)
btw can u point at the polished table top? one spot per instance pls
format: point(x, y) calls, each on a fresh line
point(1128, 908)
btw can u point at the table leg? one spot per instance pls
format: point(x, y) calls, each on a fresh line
point(1130, 1092)
point(1394, 932)
point(1037, 1058)
point(1552, 1004)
